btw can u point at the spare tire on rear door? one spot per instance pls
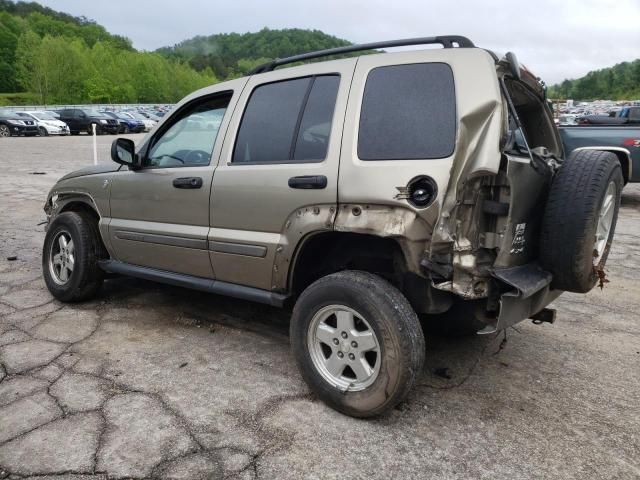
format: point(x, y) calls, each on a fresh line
point(580, 218)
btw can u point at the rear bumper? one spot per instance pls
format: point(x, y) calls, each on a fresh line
point(530, 292)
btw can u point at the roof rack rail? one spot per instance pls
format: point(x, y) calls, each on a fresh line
point(447, 41)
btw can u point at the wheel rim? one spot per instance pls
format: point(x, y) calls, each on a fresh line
point(4, 131)
point(605, 222)
point(43, 132)
point(344, 348)
point(62, 257)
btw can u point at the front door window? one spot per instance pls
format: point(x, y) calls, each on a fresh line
point(188, 141)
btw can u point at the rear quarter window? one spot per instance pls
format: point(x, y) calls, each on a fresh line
point(408, 112)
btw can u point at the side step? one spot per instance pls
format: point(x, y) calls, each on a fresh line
point(196, 283)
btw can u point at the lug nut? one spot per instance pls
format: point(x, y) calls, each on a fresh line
point(344, 334)
point(340, 354)
point(352, 356)
point(354, 344)
point(335, 341)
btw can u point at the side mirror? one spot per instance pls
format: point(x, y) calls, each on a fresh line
point(123, 151)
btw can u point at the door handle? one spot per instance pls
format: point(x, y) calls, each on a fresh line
point(187, 182)
point(308, 182)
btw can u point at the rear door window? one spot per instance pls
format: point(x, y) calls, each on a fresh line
point(288, 121)
point(408, 112)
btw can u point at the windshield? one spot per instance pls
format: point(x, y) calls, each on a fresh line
point(93, 113)
point(43, 116)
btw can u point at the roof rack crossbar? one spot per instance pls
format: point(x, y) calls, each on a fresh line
point(447, 41)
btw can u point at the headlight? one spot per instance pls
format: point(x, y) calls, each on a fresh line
point(16, 122)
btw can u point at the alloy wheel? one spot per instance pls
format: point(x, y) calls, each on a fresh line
point(344, 348)
point(62, 257)
point(605, 222)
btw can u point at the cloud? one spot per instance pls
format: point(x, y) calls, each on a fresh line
point(555, 39)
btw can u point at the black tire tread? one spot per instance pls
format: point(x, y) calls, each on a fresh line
point(567, 226)
point(88, 253)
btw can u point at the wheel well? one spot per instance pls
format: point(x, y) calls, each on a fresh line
point(331, 252)
point(78, 206)
point(82, 207)
point(624, 163)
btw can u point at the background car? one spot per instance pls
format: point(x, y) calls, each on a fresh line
point(82, 119)
point(12, 125)
point(47, 124)
point(127, 124)
point(148, 123)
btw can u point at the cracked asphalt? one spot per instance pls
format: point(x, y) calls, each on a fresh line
point(151, 381)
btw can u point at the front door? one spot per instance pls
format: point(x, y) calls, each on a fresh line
point(277, 176)
point(160, 213)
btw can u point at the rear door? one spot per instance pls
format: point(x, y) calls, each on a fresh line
point(160, 213)
point(278, 173)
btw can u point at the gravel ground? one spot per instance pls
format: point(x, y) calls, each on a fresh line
point(150, 381)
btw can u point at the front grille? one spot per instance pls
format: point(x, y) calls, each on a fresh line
point(29, 122)
point(112, 122)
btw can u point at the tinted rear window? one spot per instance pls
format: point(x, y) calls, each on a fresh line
point(269, 121)
point(408, 112)
point(288, 121)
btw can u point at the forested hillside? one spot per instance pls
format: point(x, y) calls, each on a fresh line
point(620, 82)
point(58, 58)
point(232, 55)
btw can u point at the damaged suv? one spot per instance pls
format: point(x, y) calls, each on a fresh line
point(368, 194)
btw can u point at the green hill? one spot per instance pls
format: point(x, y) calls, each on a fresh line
point(232, 55)
point(57, 58)
point(620, 82)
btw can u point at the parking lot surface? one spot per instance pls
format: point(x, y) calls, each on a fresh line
point(151, 381)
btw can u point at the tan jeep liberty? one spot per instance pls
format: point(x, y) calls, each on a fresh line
point(366, 193)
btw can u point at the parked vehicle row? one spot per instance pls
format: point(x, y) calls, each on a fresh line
point(76, 120)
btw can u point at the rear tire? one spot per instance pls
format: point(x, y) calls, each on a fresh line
point(382, 341)
point(43, 132)
point(580, 219)
point(72, 248)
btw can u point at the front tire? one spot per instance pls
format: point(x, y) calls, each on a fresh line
point(72, 248)
point(358, 343)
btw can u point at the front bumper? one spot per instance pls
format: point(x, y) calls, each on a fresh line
point(26, 130)
point(57, 130)
point(110, 128)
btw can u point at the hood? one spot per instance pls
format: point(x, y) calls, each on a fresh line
point(93, 170)
point(57, 123)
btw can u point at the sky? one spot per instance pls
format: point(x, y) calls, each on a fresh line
point(556, 39)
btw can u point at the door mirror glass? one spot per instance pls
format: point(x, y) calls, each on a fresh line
point(123, 151)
